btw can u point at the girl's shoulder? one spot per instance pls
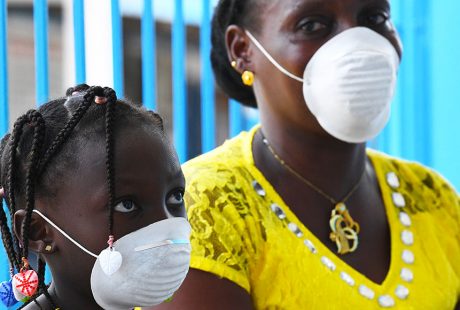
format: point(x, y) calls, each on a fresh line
point(40, 303)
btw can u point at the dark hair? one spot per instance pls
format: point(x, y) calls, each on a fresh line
point(42, 147)
point(231, 12)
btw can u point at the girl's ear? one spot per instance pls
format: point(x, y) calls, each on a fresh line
point(40, 234)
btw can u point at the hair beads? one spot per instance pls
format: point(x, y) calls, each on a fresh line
point(7, 294)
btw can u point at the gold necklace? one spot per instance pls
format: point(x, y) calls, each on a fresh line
point(344, 230)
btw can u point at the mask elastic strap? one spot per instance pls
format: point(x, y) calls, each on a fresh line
point(65, 234)
point(271, 59)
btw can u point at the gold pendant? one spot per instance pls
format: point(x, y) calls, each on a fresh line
point(344, 229)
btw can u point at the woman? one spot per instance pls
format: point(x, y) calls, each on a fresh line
point(297, 214)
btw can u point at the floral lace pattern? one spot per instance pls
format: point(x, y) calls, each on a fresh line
point(238, 235)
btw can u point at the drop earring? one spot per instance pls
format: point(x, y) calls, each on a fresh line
point(6, 291)
point(25, 283)
point(248, 78)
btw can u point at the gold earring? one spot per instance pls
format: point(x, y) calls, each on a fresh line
point(48, 248)
point(248, 78)
point(233, 63)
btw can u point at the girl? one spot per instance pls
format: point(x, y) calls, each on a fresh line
point(76, 172)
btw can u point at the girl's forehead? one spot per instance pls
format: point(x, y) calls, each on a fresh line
point(143, 149)
point(129, 141)
point(144, 144)
point(140, 157)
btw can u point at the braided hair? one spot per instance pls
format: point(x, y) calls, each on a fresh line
point(41, 148)
point(231, 12)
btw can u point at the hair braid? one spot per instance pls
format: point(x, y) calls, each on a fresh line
point(3, 144)
point(10, 182)
point(7, 239)
point(41, 283)
point(14, 142)
point(79, 88)
point(111, 101)
point(38, 124)
point(67, 130)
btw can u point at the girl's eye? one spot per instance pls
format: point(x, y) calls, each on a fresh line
point(312, 26)
point(175, 203)
point(125, 206)
point(175, 198)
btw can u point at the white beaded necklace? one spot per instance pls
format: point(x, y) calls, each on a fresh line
point(400, 291)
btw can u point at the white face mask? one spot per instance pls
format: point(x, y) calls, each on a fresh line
point(155, 261)
point(349, 83)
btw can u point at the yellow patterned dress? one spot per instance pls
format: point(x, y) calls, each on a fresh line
point(244, 232)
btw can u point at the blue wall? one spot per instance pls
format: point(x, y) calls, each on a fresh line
point(445, 68)
point(424, 124)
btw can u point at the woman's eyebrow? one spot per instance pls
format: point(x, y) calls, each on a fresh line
point(310, 4)
point(385, 3)
point(301, 8)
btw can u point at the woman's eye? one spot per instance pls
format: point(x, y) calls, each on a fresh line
point(126, 206)
point(377, 19)
point(312, 26)
point(175, 198)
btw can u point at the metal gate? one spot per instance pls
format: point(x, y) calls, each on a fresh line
point(425, 111)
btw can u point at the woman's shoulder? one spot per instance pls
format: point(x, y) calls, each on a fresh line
point(223, 164)
point(411, 171)
point(424, 189)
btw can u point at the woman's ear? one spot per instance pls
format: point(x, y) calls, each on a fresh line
point(239, 48)
point(40, 235)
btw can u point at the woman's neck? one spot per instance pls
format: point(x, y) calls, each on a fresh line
point(330, 164)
